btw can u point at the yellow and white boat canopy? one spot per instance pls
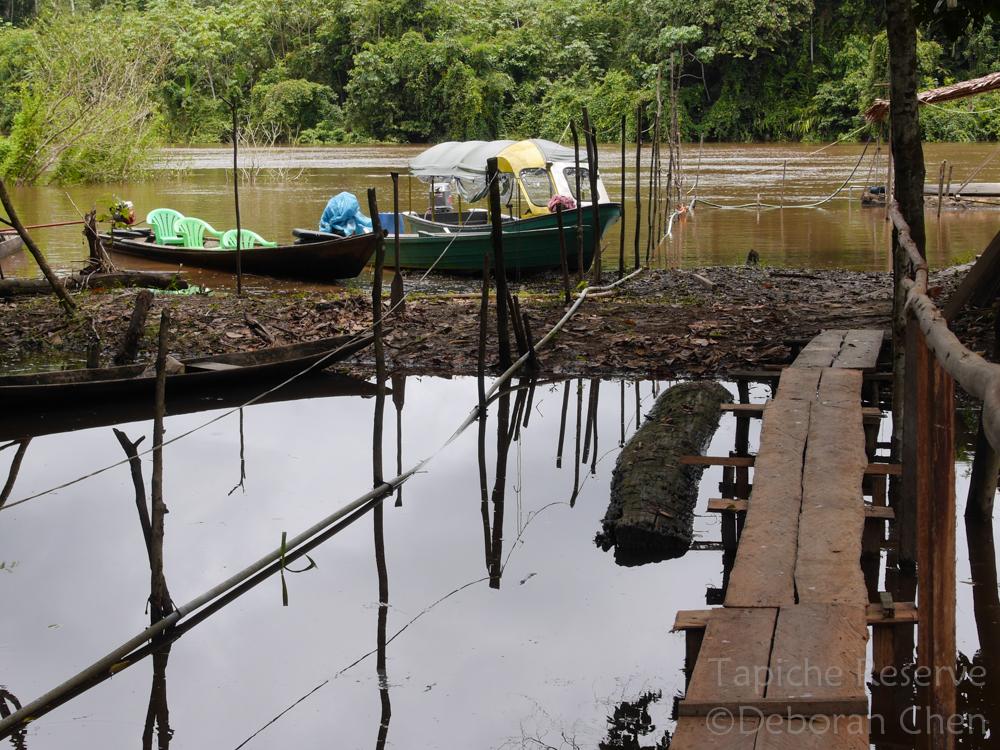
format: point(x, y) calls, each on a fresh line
point(537, 166)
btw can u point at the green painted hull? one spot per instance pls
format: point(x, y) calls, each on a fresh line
point(608, 213)
point(524, 251)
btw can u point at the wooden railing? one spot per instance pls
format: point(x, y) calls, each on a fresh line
point(934, 360)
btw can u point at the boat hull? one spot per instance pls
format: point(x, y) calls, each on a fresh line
point(10, 244)
point(202, 374)
point(608, 213)
point(528, 247)
point(326, 261)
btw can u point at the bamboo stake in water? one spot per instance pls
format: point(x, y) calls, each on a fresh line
point(579, 208)
point(940, 187)
point(595, 208)
point(784, 168)
point(484, 311)
point(496, 234)
point(621, 234)
point(396, 293)
point(159, 597)
point(377, 287)
point(562, 254)
point(638, 179)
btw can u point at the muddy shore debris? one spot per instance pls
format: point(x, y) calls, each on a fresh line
point(664, 324)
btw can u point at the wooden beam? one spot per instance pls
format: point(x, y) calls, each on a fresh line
point(905, 614)
point(739, 461)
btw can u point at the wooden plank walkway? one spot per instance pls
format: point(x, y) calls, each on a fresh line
point(782, 663)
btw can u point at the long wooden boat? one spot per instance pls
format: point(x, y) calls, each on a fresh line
point(331, 259)
point(10, 243)
point(445, 222)
point(222, 371)
point(525, 250)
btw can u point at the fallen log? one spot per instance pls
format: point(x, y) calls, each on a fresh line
point(148, 279)
point(653, 495)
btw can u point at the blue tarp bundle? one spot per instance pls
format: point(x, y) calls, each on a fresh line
point(343, 216)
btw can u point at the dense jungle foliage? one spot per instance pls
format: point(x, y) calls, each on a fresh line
point(88, 91)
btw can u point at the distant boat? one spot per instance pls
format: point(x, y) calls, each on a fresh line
point(327, 260)
point(531, 173)
point(10, 243)
point(261, 367)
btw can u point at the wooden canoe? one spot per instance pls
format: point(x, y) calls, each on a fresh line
point(262, 367)
point(59, 417)
point(327, 261)
point(10, 243)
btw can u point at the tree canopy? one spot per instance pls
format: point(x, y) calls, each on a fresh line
point(87, 90)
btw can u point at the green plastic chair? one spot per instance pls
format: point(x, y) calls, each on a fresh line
point(247, 240)
point(193, 231)
point(164, 223)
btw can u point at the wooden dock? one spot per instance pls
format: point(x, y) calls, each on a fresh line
point(782, 663)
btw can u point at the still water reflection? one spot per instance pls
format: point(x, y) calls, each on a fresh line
point(505, 624)
point(295, 184)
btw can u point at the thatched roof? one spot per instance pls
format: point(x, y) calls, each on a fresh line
point(878, 111)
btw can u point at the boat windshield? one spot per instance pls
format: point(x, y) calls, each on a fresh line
point(537, 185)
point(570, 173)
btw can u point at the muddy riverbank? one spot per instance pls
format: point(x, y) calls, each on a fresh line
point(663, 324)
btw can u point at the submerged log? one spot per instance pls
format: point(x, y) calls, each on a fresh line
point(147, 279)
point(653, 496)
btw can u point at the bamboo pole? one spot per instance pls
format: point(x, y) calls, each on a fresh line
point(484, 311)
point(396, 292)
point(621, 234)
point(377, 286)
point(940, 187)
point(159, 597)
point(496, 219)
point(595, 208)
point(638, 180)
point(579, 208)
point(784, 167)
point(562, 253)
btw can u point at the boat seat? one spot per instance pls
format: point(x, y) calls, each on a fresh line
point(164, 223)
point(247, 240)
point(193, 231)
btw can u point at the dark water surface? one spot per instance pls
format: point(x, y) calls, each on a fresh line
point(560, 636)
point(505, 623)
point(294, 184)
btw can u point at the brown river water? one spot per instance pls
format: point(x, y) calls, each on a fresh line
point(294, 185)
point(445, 621)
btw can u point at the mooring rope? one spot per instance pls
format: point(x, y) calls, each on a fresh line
point(805, 205)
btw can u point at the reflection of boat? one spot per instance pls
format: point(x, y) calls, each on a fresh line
point(222, 371)
point(531, 173)
point(10, 243)
point(332, 258)
point(70, 417)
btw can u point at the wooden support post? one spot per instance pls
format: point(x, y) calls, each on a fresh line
point(729, 536)
point(595, 209)
point(136, 327)
point(947, 190)
point(935, 486)
point(159, 597)
point(727, 487)
point(496, 217)
point(983, 482)
point(693, 638)
point(915, 396)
